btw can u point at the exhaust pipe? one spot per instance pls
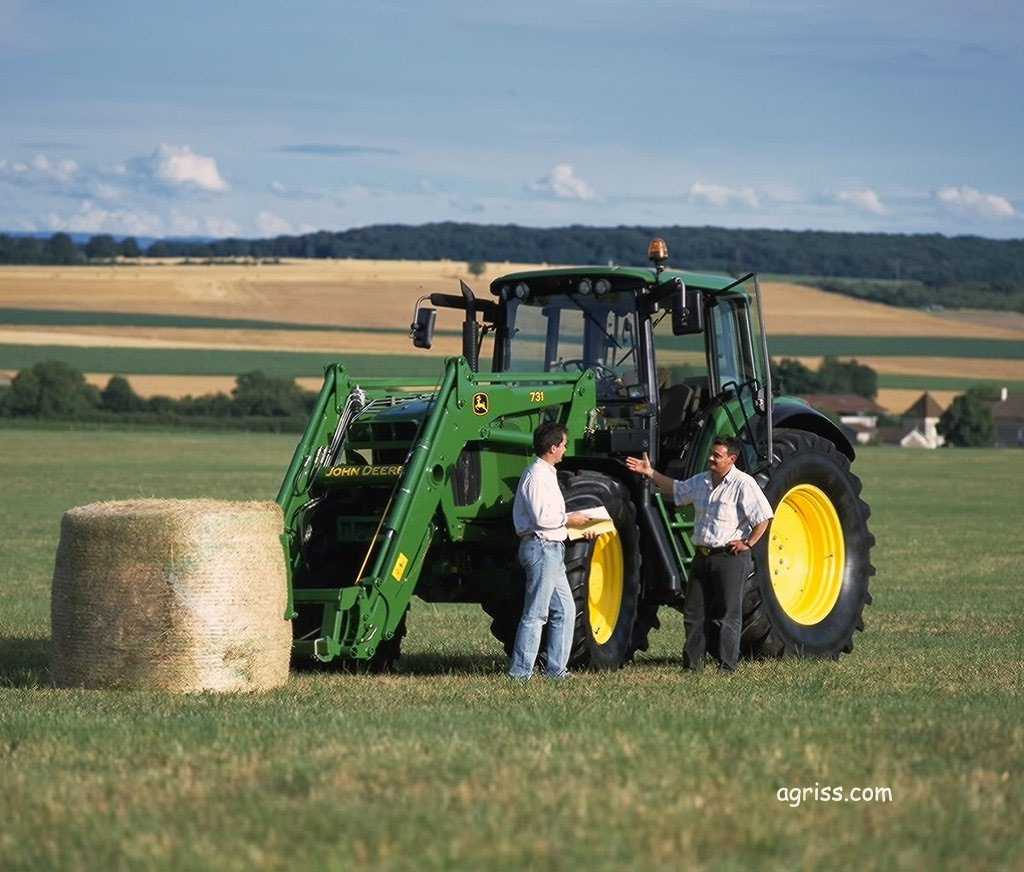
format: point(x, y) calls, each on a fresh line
point(470, 329)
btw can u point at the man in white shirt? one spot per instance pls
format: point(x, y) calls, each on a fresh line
point(541, 524)
point(731, 513)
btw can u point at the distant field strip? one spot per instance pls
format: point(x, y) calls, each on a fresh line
point(170, 361)
point(80, 318)
point(890, 346)
point(212, 362)
point(779, 346)
point(943, 383)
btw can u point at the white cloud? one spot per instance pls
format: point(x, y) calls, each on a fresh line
point(41, 171)
point(866, 200)
point(57, 170)
point(355, 194)
point(967, 199)
point(779, 192)
point(287, 192)
point(221, 227)
point(721, 196)
point(210, 225)
point(272, 225)
point(185, 225)
point(91, 218)
point(563, 183)
point(177, 167)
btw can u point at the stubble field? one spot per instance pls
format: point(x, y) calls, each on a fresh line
point(445, 765)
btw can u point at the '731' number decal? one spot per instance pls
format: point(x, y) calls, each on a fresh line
point(536, 396)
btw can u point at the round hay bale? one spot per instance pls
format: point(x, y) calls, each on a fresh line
point(178, 595)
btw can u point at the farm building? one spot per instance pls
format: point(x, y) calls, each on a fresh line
point(922, 419)
point(1008, 420)
point(857, 415)
point(917, 427)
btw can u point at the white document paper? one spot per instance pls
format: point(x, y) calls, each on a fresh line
point(599, 522)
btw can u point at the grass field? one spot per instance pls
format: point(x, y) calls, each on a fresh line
point(447, 766)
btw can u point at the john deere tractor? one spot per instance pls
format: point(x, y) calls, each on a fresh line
point(400, 487)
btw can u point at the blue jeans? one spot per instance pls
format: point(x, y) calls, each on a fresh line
point(548, 600)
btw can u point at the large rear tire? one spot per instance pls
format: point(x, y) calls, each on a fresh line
point(807, 594)
point(604, 576)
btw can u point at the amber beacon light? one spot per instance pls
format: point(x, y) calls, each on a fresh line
point(657, 251)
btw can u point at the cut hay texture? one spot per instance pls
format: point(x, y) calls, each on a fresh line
point(175, 595)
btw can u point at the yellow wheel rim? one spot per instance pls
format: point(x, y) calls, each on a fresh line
point(604, 593)
point(806, 554)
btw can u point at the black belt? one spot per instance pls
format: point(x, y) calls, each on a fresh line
point(704, 551)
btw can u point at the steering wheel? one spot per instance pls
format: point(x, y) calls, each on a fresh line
point(603, 370)
point(606, 376)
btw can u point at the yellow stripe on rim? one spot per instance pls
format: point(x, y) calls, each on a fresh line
point(604, 595)
point(806, 554)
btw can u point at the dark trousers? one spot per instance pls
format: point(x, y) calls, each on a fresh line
point(713, 610)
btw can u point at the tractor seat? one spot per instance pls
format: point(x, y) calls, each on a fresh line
point(678, 402)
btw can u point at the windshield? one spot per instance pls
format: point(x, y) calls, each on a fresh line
point(571, 333)
point(737, 334)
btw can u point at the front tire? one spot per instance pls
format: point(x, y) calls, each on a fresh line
point(604, 576)
point(807, 594)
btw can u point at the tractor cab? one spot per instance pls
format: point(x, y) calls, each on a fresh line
point(668, 349)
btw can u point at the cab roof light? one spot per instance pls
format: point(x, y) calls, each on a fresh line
point(657, 251)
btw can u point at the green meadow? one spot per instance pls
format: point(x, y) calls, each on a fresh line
point(445, 765)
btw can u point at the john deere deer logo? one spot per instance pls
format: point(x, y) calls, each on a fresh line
point(480, 404)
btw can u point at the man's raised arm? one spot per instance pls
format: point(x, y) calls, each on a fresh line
point(642, 466)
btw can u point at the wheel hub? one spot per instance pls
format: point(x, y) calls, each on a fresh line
point(806, 554)
point(604, 589)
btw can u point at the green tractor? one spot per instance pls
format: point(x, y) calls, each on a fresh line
point(400, 486)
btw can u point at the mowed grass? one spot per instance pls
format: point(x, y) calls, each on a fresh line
point(445, 765)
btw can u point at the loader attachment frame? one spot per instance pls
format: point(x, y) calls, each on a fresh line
point(494, 410)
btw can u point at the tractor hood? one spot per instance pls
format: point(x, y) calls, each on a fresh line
point(390, 424)
point(397, 408)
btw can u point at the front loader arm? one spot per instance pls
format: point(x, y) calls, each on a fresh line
point(468, 407)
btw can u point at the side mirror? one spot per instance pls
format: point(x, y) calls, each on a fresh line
point(687, 313)
point(422, 330)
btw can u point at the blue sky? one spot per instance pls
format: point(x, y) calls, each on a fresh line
point(258, 118)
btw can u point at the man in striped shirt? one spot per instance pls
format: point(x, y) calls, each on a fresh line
point(731, 513)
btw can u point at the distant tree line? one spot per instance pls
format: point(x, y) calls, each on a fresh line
point(1001, 295)
point(832, 376)
point(61, 250)
point(53, 390)
point(967, 423)
point(921, 269)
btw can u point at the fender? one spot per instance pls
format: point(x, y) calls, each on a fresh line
point(798, 415)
